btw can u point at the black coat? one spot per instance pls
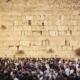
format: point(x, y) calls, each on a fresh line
point(60, 78)
point(22, 78)
point(7, 78)
point(77, 78)
point(71, 78)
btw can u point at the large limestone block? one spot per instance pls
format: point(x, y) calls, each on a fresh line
point(36, 43)
point(46, 17)
point(62, 17)
point(25, 43)
point(15, 23)
point(13, 18)
point(7, 23)
point(77, 17)
point(76, 12)
point(20, 22)
point(0, 14)
point(74, 42)
point(3, 33)
point(18, 28)
point(60, 48)
point(40, 38)
point(34, 48)
point(36, 33)
point(78, 22)
point(23, 38)
point(36, 28)
point(50, 23)
point(53, 33)
point(9, 38)
point(30, 38)
point(78, 27)
point(75, 28)
point(10, 33)
point(7, 18)
point(58, 22)
point(65, 33)
point(2, 38)
point(29, 17)
point(51, 47)
point(34, 23)
point(75, 33)
point(50, 27)
point(28, 33)
point(63, 28)
point(4, 47)
point(38, 17)
point(11, 43)
point(16, 38)
point(5, 53)
point(74, 22)
point(57, 42)
point(27, 48)
point(45, 33)
point(15, 33)
point(71, 28)
point(42, 17)
point(13, 48)
point(67, 48)
point(20, 47)
point(76, 47)
point(34, 16)
point(69, 54)
point(42, 48)
point(27, 28)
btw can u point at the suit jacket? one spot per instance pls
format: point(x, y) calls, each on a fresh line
point(71, 78)
point(77, 78)
point(22, 78)
point(7, 78)
point(60, 78)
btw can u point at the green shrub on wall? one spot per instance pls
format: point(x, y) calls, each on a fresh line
point(19, 52)
point(50, 51)
point(77, 51)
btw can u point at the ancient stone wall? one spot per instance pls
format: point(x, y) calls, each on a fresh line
point(39, 27)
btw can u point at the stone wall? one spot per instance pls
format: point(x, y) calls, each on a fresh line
point(39, 27)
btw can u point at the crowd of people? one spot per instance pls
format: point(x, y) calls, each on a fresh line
point(39, 69)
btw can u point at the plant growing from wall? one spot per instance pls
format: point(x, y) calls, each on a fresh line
point(8, 0)
point(20, 52)
point(77, 51)
point(50, 50)
point(3, 27)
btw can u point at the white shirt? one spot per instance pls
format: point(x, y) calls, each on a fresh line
point(41, 78)
point(67, 70)
point(41, 73)
point(77, 67)
point(71, 71)
point(16, 79)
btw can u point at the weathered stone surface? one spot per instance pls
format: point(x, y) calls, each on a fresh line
point(36, 26)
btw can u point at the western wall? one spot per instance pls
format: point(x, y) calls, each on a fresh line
point(39, 28)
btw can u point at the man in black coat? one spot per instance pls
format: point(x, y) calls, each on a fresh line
point(7, 77)
point(22, 77)
point(60, 77)
point(71, 77)
point(78, 76)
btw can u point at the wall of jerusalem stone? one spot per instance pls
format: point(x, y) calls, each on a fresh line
point(41, 28)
